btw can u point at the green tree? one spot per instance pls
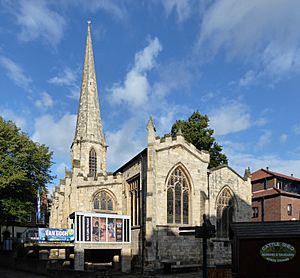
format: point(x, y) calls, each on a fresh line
point(24, 167)
point(196, 131)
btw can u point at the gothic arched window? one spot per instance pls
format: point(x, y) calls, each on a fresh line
point(93, 162)
point(225, 208)
point(178, 198)
point(103, 201)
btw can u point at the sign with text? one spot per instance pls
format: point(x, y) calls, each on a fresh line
point(56, 234)
point(278, 252)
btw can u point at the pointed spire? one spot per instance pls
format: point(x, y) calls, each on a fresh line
point(89, 125)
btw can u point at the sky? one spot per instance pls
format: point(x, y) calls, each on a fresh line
point(236, 61)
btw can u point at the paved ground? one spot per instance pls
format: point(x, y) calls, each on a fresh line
point(177, 275)
point(11, 273)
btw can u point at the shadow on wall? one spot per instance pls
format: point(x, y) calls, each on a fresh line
point(166, 246)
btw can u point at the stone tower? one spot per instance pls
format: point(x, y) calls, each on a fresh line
point(89, 145)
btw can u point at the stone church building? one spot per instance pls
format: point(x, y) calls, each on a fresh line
point(166, 186)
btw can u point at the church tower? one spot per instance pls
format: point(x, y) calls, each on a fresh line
point(89, 145)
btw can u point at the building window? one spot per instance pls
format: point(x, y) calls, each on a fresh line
point(178, 198)
point(93, 162)
point(225, 211)
point(289, 209)
point(254, 212)
point(134, 193)
point(103, 201)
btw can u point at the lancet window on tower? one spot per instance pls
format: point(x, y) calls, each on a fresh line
point(93, 162)
point(178, 198)
point(103, 201)
point(225, 209)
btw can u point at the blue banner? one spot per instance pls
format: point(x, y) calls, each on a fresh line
point(53, 234)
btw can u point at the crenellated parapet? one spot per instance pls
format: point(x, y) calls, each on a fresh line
point(99, 180)
point(168, 142)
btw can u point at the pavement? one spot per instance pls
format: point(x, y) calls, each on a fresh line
point(12, 273)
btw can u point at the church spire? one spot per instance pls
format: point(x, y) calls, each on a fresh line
point(89, 125)
point(89, 138)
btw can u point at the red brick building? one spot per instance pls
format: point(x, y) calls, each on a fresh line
point(275, 196)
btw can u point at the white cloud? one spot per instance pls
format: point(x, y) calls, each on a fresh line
point(135, 89)
point(128, 135)
point(247, 79)
point(58, 135)
point(230, 118)
point(261, 121)
point(173, 76)
point(241, 160)
point(45, 101)
point(15, 73)
point(283, 137)
point(115, 8)
point(183, 9)
point(36, 20)
point(264, 139)
point(67, 78)
point(10, 115)
point(263, 33)
point(296, 129)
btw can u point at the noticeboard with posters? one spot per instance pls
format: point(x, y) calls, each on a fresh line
point(102, 228)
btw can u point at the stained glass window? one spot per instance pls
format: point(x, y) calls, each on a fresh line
point(225, 211)
point(103, 201)
point(178, 198)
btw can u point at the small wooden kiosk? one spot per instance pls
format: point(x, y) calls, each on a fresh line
point(266, 249)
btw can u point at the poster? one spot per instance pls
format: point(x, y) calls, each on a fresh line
point(103, 229)
point(95, 229)
point(111, 227)
point(87, 228)
point(119, 230)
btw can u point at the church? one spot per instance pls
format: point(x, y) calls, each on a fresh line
point(133, 215)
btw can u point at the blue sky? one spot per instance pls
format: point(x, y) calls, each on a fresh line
point(236, 61)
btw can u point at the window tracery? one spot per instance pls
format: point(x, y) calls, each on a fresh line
point(178, 198)
point(225, 209)
point(103, 201)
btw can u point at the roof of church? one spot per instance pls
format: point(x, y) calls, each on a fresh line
point(89, 125)
point(211, 170)
point(131, 161)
